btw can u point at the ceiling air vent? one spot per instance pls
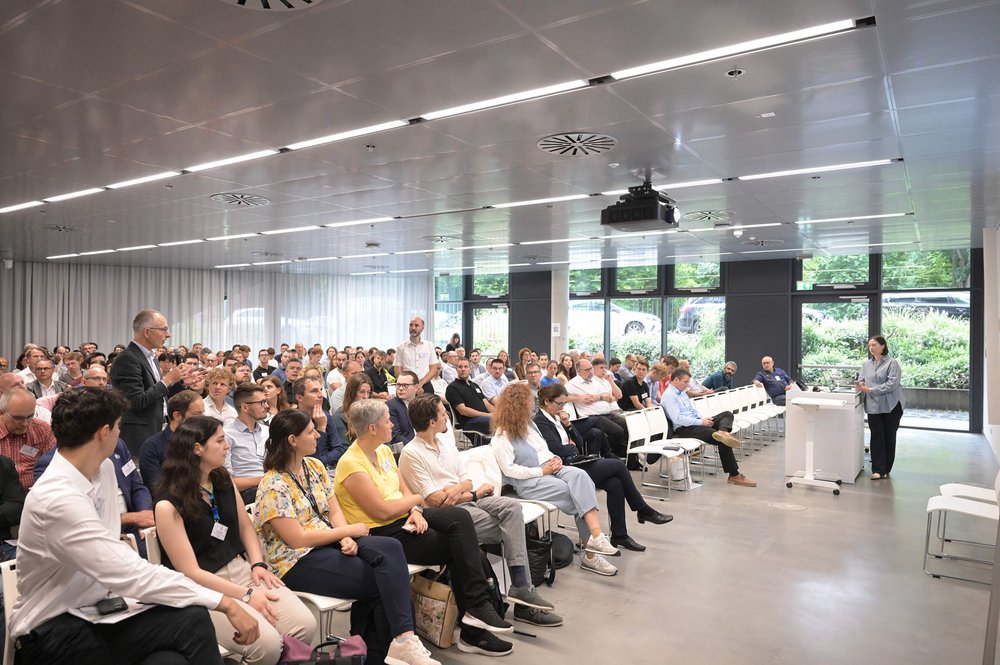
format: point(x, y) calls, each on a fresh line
point(577, 144)
point(240, 199)
point(762, 243)
point(717, 217)
point(62, 228)
point(273, 5)
point(441, 239)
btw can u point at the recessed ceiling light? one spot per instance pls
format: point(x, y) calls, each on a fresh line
point(74, 195)
point(358, 222)
point(555, 199)
point(144, 179)
point(297, 229)
point(21, 206)
point(132, 249)
point(61, 256)
point(96, 252)
point(180, 242)
point(272, 263)
point(230, 160)
point(506, 99)
point(782, 39)
point(235, 236)
point(350, 134)
point(817, 169)
point(851, 219)
point(234, 265)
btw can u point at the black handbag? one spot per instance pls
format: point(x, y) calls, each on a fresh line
point(540, 564)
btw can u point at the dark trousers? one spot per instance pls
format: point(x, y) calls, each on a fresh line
point(595, 441)
point(883, 427)
point(720, 421)
point(613, 425)
point(479, 424)
point(450, 539)
point(160, 636)
point(377, 578)
point(611, 476)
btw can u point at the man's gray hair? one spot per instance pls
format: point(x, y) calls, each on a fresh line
point(144, 319)
point(366, 412)
point(6, 397)
point(728, 363)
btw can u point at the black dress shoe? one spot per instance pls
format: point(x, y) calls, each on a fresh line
point(628, 543)
point(647, 514)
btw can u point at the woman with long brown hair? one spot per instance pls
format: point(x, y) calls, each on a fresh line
point(523, 358)
point(535, 473)
point(567, 368)
point(274, 392)
point(358, 387)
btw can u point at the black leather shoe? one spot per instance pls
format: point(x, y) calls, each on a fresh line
point(647, 514)
point(628, 543)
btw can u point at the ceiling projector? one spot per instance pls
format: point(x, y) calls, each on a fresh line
point(642, 209)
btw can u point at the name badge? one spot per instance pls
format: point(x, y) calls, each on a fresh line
point(386, 466)
point(219, 531)
point(129, 468)
point(30, 451)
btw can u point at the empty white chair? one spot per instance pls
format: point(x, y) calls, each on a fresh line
point(942, 506)
point(638, 444)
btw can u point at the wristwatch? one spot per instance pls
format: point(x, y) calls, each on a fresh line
point(417, 508)
point(473, 494)
point(246, 596)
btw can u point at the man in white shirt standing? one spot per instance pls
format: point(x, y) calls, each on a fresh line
point(594, 397)
point(69, 556)
point(417, 355)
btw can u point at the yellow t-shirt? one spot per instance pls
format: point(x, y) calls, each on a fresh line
point(385, 479)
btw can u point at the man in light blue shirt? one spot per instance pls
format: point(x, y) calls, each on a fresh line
point(494, 382)
point(715, 430)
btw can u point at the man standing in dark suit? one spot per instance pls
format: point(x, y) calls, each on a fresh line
point(136, 372)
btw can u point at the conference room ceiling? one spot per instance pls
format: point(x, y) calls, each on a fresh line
point(106, 91)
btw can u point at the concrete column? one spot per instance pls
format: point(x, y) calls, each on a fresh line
point(991, 336)
point(560, 313)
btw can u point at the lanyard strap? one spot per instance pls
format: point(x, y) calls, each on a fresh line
point(309, 494)
point(211, 502)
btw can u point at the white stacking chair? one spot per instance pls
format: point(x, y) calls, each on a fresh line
point(978, 511)
point(8, 570)
point(480, 465)
point(968, 492)
point(660, 431)
point(638, 444)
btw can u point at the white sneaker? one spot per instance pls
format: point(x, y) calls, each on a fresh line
point(596, 563)
point(409, 651)
point(600, 544)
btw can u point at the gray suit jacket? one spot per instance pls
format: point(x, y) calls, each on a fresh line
point(36, 388)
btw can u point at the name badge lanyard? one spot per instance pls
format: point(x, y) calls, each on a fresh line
point(219, 530)
point(309, 493)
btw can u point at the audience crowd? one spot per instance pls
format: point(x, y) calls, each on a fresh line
point(349, 461)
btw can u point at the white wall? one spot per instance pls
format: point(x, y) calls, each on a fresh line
point(991, 336)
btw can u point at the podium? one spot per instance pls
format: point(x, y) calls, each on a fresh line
point(812, 406)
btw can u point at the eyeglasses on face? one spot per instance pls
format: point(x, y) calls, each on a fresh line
point(405, 385)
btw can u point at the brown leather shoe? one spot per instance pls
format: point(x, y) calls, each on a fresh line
point(742, 480)
point(726, 438)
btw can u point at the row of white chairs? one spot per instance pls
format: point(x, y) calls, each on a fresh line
point(976, 505)
point(649, 433)
point(756, 418)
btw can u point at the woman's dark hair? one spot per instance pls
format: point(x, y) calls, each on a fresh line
point(278, 452)
point(180, 472)
point(79, 413)
point(885, 345)
point(282, 398)
point(550, 392)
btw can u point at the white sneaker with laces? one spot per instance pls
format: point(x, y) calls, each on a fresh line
point(409, 651)
point(596, 563)
point(600, 544)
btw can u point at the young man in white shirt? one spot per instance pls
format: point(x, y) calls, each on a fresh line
point(70, 556)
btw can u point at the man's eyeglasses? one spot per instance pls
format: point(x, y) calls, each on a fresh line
point(534, 371)
point(404, 385)
point(161, 329)
point(262, 402)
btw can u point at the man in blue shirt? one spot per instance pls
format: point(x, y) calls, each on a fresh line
point(715, 430)
point(774, 380)
point(721, 380)
point(183, 405)
point(309, 398)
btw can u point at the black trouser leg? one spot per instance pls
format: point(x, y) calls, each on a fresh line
point(891, 428)
point(614, 427)
point(876, 424)
point(704, 433)
point(723, 421)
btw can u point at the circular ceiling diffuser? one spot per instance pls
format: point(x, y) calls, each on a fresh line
point(714, 216)
point(63, 228)
point(273, 5)
point(577, 144)
point(240, 199)
point(441, 239)
point(762, 243)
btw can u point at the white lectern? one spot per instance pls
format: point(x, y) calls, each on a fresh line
point(808, 478)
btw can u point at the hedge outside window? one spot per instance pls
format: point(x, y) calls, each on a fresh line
point(491, 286)
point(940, 269)
point(585, 281)
point(637, 278)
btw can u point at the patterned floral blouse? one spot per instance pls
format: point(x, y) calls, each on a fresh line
point(279, 496)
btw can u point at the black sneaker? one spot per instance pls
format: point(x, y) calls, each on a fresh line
point(486, 618)
point(474, 640)
point(537, 617)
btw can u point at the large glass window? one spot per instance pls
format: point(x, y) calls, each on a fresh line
point(490, 328)
point(833, 334)
point(827, 270)
point(636, 278)
point(943, 269)
point(697, 276)
point(928, 333)
point(585, 281)
point(449, 288)
point(491, 286)
point(447, 322)
point(586, 325)
point(697, 332)
point(636, 326)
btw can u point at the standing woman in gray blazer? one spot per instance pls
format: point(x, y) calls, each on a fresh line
point(883, 395)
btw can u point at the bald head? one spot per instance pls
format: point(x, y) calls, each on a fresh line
point(18, 408)
point(10, 380)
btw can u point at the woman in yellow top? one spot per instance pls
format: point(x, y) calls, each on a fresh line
point(371, 492)
point(313, 549)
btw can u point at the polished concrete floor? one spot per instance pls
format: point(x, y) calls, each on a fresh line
point(776, 575)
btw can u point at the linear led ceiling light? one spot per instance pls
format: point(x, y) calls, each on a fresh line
point(230, 160)
point(507, 99)
point(61, 256)
point(358, 222)
point(132, 249)
point(560, 240)
point(350, 134)
point(272, 263)
point(673, 185)
point(297, 229)
point(74, 195)
point(783, 39)
point(851, 219)
point(554, 199)
point(817, 169)
point(21, 206)
point(145, 179)
point(180, 242)
point(235, 236)
point(234, 265)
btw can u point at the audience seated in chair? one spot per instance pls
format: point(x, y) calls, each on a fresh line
point(23, 437)
point(406, 390)
point(185, 404)
point(309, 400)
point(358, 387)
point(467, 399)
point(247, 436)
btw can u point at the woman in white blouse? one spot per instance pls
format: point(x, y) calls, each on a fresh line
point(535, 473)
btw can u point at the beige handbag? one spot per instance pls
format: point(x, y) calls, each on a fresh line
point(436, 612)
